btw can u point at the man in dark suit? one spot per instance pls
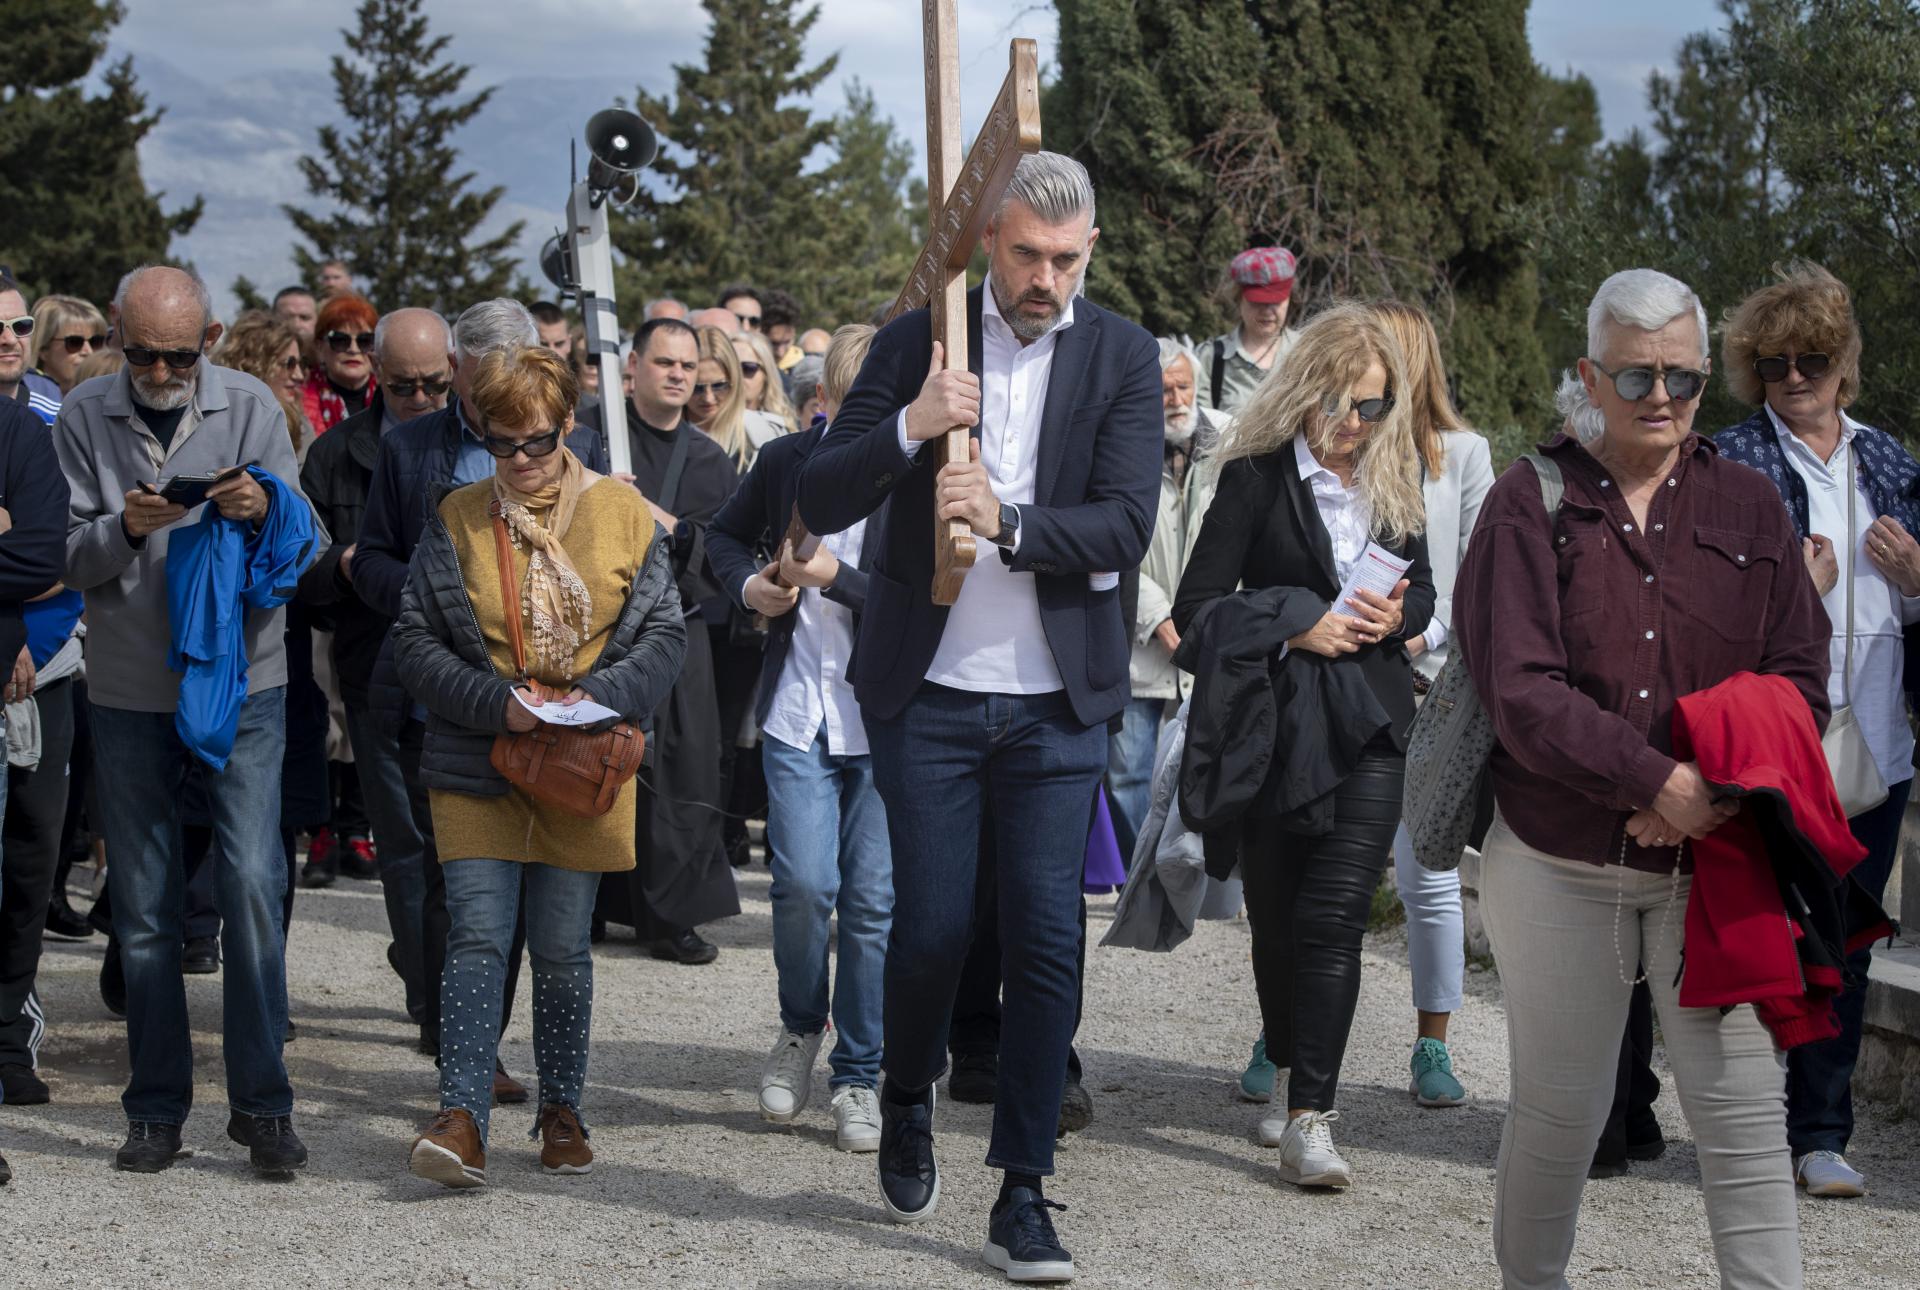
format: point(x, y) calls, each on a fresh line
point(997, 707)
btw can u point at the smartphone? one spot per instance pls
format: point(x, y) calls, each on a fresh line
point(191, 490)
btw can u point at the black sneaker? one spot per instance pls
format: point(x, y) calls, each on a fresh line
point(975, 1078)
point(688, 947)
point(149, 1148)
point(66, 922)
point(201, 957)
point(1021, 1241)
point(272, 1145)
point(19, 1086)
point(6, 1173)
point(909, 1177)
point(1076, 1108)
point(113, 980)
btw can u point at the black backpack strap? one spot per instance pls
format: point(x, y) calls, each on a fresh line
point(676, 467)
point(1219, 369)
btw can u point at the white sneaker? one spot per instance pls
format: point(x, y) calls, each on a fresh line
point(1307, 1156)
point(786, 1080)
point(856, 1118)
point(1827, 1173)
point(1273, 1127)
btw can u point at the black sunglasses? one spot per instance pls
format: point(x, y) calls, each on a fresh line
point(750, 321)
point(1635, 383)
point(342, 341)
point(538, 446)
point(749, 370)
point(719, 389)
point(1371, 411)
point(1774, 370)
point(75, 344)
point(21, 326)
point(433, 388)
point(178, 359)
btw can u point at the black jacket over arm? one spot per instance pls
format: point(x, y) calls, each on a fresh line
point(33, 552)
point(1096, 494)
point(337, 477)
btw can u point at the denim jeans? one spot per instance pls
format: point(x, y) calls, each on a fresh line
point(376, 756)
point(1820, 1075)
point(1130, 770)
point(143, 767)
point(483, 904)
point(1436, 928)
point(827, 847)
point(945, 761)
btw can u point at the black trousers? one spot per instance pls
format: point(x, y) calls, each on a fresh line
point(1308, 899)
point(36, 810)
point(82, 804)
point(1631, 1121)
point(736, 679)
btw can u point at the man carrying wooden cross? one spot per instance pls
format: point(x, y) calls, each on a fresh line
point(997, 707)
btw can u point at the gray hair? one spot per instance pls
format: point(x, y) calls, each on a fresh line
point(1580, 415)
point(493, 325)
point(380, 330)
point(1172, 350)
point(1054, 186)
point(808, 373)
point(200, 291)
point(1643, 298)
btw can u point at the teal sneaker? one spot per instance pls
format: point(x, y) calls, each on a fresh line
point(1257, 1080)
point(1433, 1083)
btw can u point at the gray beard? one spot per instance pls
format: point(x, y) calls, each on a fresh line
point(1180, 433)
point(1022, 326)
point(163, 399)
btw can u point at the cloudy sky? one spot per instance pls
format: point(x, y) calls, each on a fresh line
point(245, 83)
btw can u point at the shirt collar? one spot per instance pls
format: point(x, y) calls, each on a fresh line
point(1309, 465)
point(990, 309)
point(1789, 440)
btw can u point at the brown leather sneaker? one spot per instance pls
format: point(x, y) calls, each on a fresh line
point(506, 1089)
point(449, 1152)
point(563, 1143)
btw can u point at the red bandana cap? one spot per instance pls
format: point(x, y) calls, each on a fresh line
point(1265, 274)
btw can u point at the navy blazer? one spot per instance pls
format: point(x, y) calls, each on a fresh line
point(755, 519)
point(1096, 495)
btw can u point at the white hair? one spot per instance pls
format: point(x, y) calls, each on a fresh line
point(380, 330)
point(493, 325)
point(200, 291)
point(1052, 185)
point(1581, 416)
point(1173, 349)
point(1644, 298)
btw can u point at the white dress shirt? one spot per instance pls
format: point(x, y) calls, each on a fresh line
point(1879, 610)
point(1345, 512)
point(994, 642)
point(813, 685)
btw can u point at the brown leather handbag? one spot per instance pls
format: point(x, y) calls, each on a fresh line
point(578, 772)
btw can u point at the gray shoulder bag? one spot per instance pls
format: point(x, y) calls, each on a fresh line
point(1452, 736)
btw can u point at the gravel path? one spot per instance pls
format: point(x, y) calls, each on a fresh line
point(1167, 1187)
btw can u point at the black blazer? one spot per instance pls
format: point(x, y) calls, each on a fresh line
point(755, 519)
point(1095, 498)
point(1262, 531)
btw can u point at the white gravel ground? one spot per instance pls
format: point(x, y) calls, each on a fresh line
point(1168, 1186)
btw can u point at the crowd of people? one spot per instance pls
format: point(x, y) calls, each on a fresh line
point(335, 592)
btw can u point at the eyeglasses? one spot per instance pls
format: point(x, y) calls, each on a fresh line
point(718, 389)
point(1371, 411)
point(293, 363)
point(504, 448)
point(432, 387)
point(74, 344)
point(342, 341)
point(1635, 383)
point(750, 321)
point(178, 359)
point(1774, 370)
point(22, 326)
point(749, 370)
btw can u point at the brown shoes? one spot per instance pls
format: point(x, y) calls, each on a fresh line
point(449, 1152)
point(563, 1143)
point(506, 1089)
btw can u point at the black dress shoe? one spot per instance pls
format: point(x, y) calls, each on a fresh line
point(1607, 1168)
point(6, 1173)
point(19, 1086)
point(201, 956)
point(293, 1033)
point(975, 1078)
point(66, 922)
point(149, 1147)
point(909, 1176)
point(272, 1145)
point(596, 930)
point(1651, 1149)
point(740, 851)
point(1076, 1108)
point(688, 947)
point(1021, 1240)
point(113, 980)
point(429, 1043)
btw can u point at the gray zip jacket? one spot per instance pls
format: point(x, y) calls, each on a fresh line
point(443, 663)
point(105, 451)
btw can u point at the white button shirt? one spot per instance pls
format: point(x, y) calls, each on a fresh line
point(1879, 610)
point(813, 686)
point(1347, 514)
point(994, 642)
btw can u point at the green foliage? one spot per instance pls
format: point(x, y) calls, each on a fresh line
point(248, 294)
point(399, 212)
point(78, 214)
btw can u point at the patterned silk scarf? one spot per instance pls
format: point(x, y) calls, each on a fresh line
point(553, 598)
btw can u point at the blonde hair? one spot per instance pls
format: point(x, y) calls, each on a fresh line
point(774, 401)
point(254, 345)
point(56, 313)
point(845, 354)
point(1426, 396)
point(1807, 310)
point(1333, 352)
point(524, 389)
point(729, 428)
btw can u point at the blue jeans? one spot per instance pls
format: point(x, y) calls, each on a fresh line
point(483, 903)
point(942, 763)
point(1130, 771)
point(142, 768)
point(383, 785)
point(827, 843)
point(1820, 1075)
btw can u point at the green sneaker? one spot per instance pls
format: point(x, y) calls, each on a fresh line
point(1433, 1083)
point(1257, 1080)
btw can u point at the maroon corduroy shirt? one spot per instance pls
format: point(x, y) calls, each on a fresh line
point(1582, 631)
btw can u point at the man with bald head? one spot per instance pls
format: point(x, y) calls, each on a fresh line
point(665, 307)
point(724, 319)
point(814, 341)
point(171, 414)
point(413, 369)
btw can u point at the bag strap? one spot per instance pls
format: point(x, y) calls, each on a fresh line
point(1853, 510)
point(1219, 370)
point(503, 546)
point(676, 466)
point(1553, 485)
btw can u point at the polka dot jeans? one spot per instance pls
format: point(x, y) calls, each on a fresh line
point(483, 902)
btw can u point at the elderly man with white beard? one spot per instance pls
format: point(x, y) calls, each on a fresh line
point(1187, 478)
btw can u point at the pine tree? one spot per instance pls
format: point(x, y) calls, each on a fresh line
point(878, 216)
point(735, 149)
point(76, 212)
point(247, 294)
point(401, 216)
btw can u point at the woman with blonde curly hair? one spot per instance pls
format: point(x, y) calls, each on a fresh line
point(719, 402)
point(264, 347)
point(1321, 462)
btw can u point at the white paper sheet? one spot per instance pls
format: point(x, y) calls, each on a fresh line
point(584, 713)
point(1378, 570)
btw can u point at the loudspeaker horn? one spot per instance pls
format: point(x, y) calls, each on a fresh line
point(622, 144)
point(557, 263)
